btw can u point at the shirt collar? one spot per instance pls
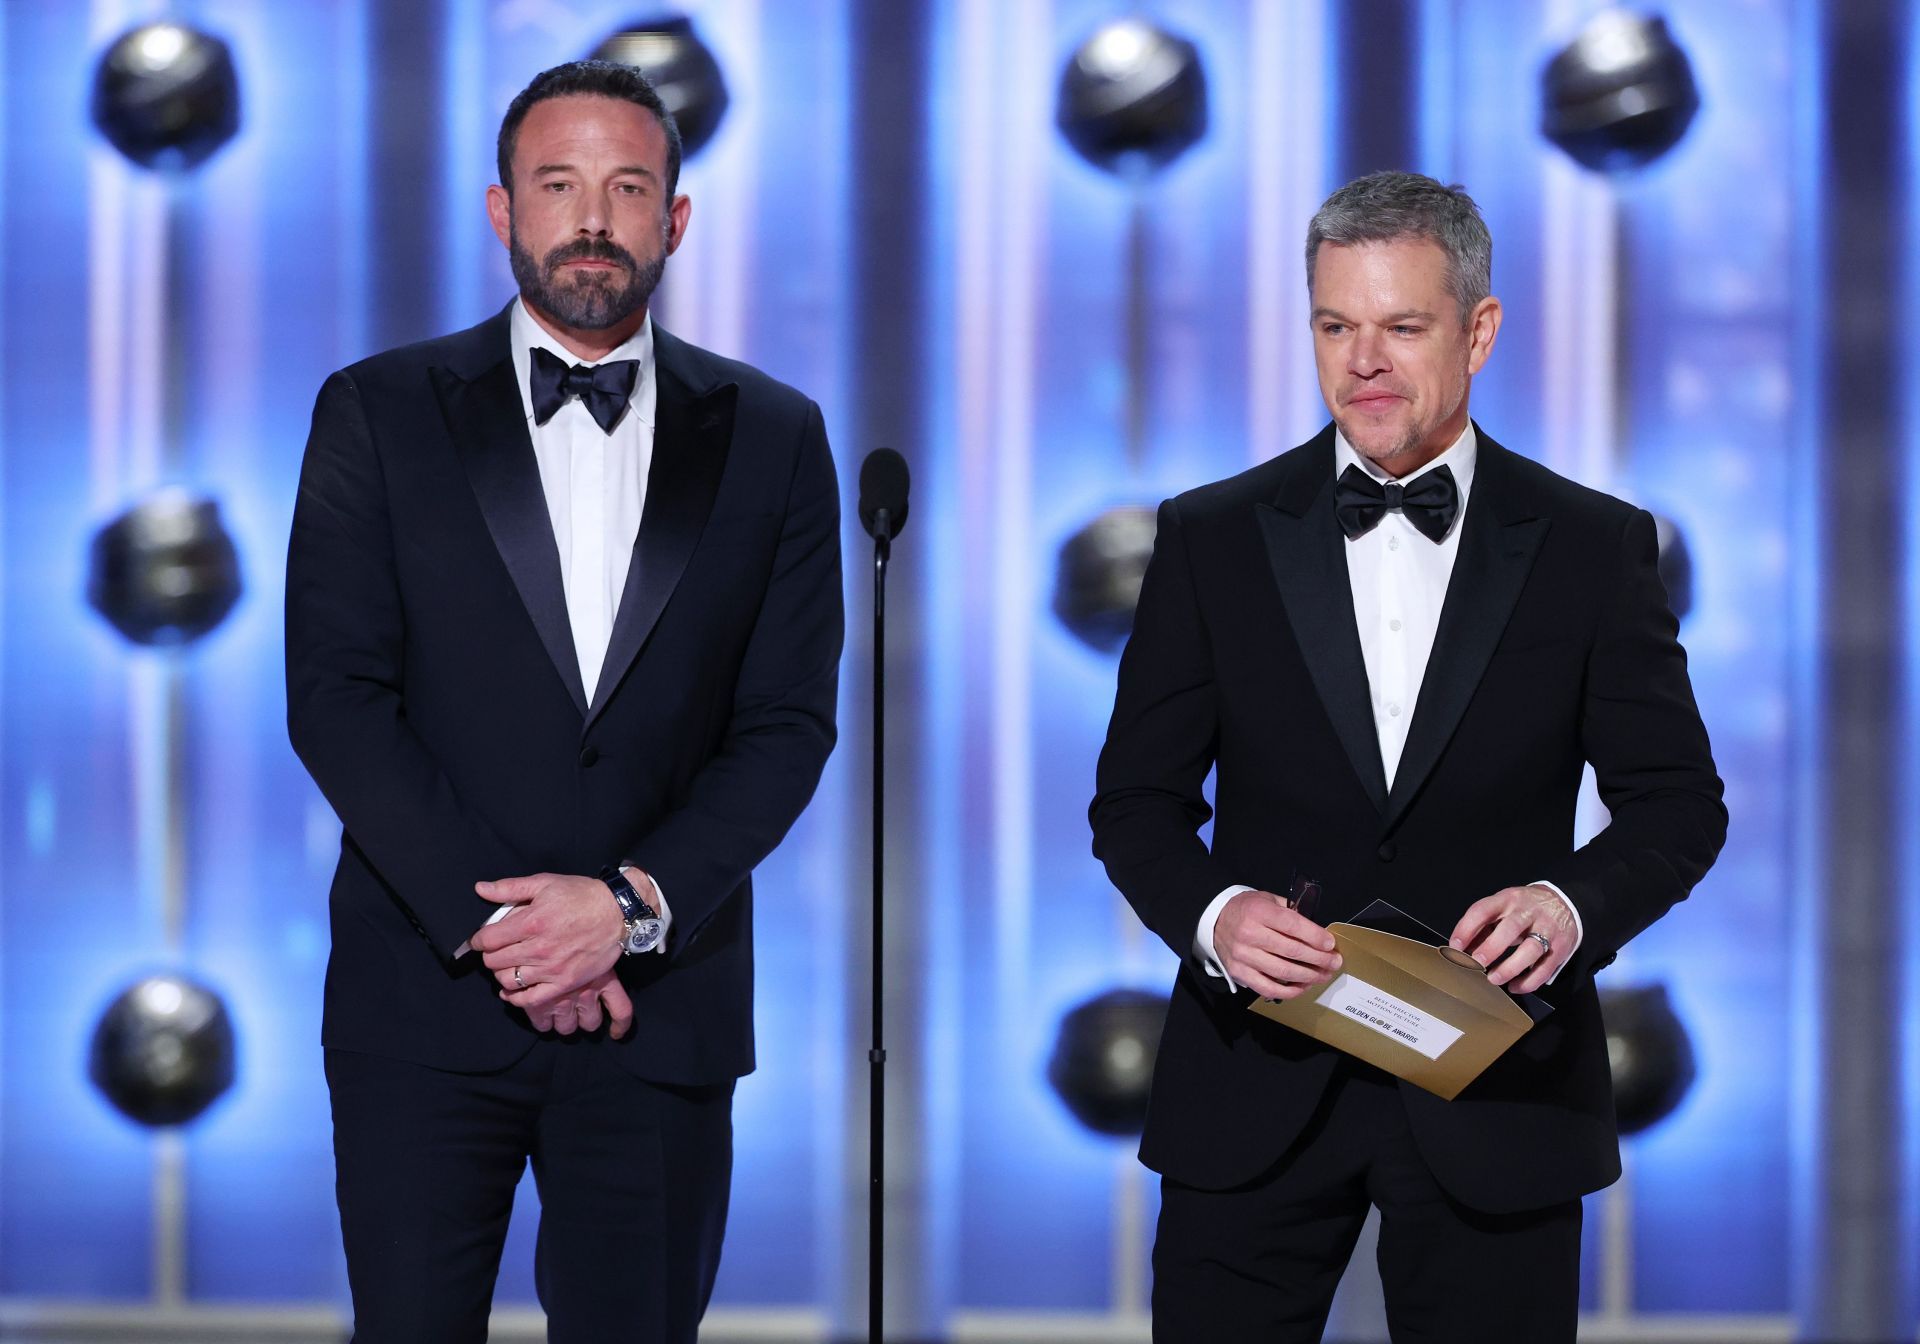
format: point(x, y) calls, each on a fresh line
point(526, 333)
point(1461, 456)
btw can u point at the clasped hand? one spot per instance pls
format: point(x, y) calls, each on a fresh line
point(554, 953)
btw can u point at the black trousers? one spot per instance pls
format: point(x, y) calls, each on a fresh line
point(633, 1180)
point(1259, 1264)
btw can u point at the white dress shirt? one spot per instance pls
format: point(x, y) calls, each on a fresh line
point(595, 484)
point(1399, 582)
point(596, 489)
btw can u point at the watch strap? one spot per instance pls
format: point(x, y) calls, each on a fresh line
point(632, 904)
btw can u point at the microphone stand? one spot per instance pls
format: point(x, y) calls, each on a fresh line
point(877, 1055)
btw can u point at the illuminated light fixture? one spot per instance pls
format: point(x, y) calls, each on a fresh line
point(681, 68)
point(163, 1051)
point(1133, 97)
point(1102, 1064)
point(166, 95)
point(165, 572)
point(1649, 1053)
point(1619, 95)
point(1098, 575)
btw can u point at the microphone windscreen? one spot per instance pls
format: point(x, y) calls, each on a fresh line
point(883, 485)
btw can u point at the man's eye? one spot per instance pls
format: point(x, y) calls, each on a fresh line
point(1332, 328)
point(1407, 331)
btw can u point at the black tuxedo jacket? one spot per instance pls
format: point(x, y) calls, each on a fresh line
point(1555, 647)
point(434, 694)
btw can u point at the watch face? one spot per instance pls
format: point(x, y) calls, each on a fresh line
point(642, 935)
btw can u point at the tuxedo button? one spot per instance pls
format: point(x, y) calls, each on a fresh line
point(588, 756)
point(1386, 852)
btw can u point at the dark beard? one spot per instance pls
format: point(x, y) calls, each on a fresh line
point(592, 300)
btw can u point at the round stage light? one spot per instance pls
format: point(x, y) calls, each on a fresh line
point(1619, 95)
point(163, 1051)
point(1102, 1065)
point(1650, 1054)
point(165, 572)
point(1676, 564)
point(1133, 97)
point(681, 69)
point(166, 96)
point(1097, 581)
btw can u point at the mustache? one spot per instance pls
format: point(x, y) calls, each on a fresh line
point(588, 249)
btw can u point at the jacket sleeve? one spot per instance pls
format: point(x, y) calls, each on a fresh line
point(781, 731)
point(1642, 732)
point(346, 699)
point(1161, 743)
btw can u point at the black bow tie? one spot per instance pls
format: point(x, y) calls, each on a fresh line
point(1431, 503)
point(605, 388)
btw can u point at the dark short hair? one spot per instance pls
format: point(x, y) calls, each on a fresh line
point(586, 79)
point(1389, 207)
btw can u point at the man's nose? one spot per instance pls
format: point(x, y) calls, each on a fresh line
point(1367, 355)
point(593, 216)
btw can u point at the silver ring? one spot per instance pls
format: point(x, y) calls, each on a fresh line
point(516, 978)
point(1546, 947)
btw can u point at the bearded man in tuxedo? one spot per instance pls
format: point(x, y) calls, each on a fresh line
point(1395, 647)
point(563, 628)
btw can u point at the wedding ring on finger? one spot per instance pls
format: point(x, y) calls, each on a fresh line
point(1546, 948)
point(516, 978)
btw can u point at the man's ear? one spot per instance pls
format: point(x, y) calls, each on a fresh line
point(678, 213)
point(1483, 325)
point(500, 214)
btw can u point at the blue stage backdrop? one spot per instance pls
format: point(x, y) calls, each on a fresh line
point(176, 328)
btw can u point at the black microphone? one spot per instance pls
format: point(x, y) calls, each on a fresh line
point(883, 494)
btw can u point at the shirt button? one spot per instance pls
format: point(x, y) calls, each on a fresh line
point(588, 756)
point(1393, 543)
point(1393, 625)
point(1394, 710)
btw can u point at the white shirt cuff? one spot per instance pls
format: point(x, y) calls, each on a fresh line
point(660, 903)
point(1203, 936)
point(1579, 929)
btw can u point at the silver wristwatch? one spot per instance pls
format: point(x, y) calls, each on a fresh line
point(643, 925)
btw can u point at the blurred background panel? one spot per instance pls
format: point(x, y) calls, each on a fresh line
point(1050, 250)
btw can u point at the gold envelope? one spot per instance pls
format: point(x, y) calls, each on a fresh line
point(1406, 1007)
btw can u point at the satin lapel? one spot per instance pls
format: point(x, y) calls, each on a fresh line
point(1310, 569)
point(691, 436)
point(489, 428)
point(1497, 550)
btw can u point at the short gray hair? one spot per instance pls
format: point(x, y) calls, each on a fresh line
point(1389, 207)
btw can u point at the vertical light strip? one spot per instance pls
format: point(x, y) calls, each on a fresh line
point(1017, 307)
point(350, 181)
point(466, 149)
point(1286, 175)
point(1129, 1243)
point(940, 463)
point(148, 227)
point(1579, 251)
point(234, 294)
point(731, 176)
point(975, 231)
point(1439, 74)
point(1907, 861)
point(129, 233)
point(33, 793)
point(106, 295)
